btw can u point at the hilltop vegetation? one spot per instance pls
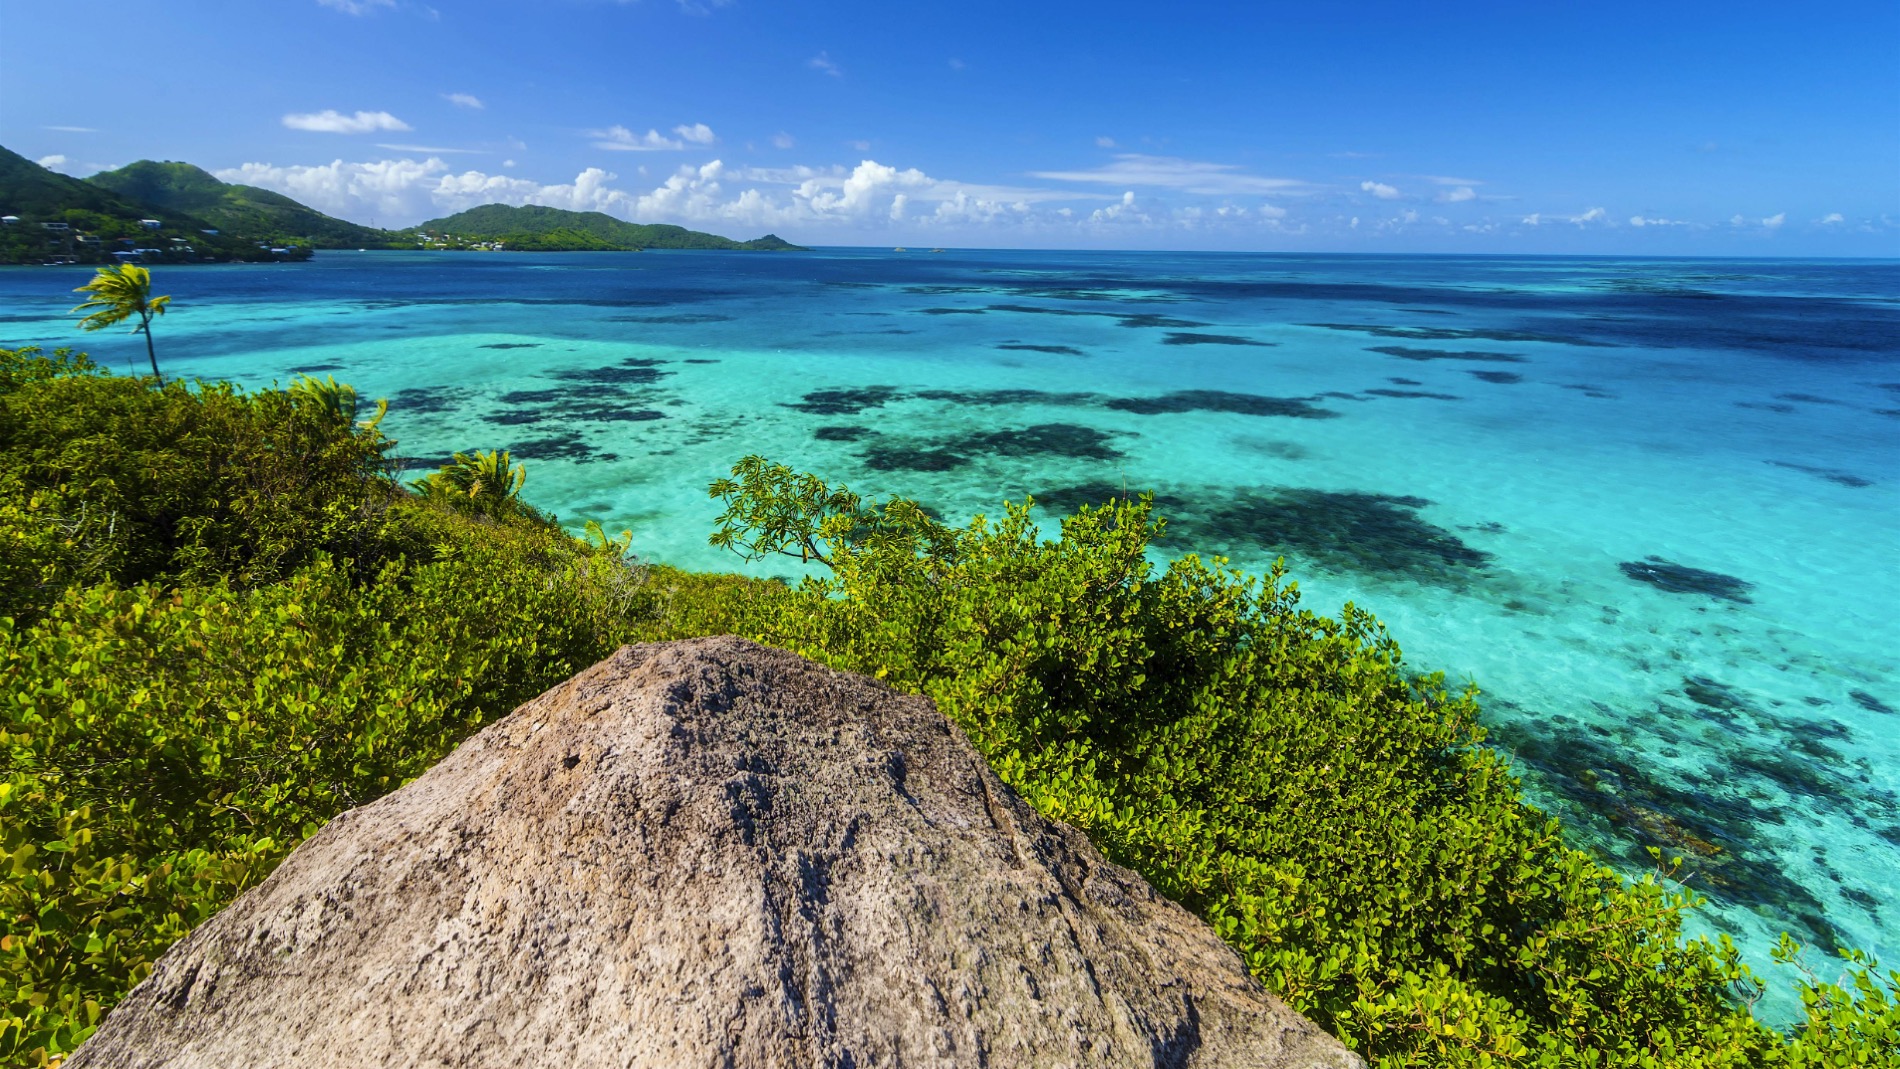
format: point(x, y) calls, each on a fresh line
point(240, 209)
point(537, 226)
point(96, 222)
point(225, 618)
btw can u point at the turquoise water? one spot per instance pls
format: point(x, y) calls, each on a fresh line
point(1649, 506)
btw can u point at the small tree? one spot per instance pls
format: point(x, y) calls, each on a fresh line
point(120, 292)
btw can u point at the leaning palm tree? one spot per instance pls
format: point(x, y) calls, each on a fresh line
point(120, 292)
point(485, 482)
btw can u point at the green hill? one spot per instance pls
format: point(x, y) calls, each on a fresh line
point(65, 219)
point(181, 187)
point(536, 225)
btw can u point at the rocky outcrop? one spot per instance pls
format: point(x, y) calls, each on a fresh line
point(704, 854)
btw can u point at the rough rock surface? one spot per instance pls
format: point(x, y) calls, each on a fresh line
point(711, 854)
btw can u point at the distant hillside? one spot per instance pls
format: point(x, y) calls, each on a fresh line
point(181, 187)
point(63, 219)
point(33, 192)
point(526, 226)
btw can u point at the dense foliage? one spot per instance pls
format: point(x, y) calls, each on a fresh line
point(222, 621)
point(97, 222)
point(537, 223)
point(238, 209)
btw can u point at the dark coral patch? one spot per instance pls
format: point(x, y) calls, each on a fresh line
point(533, 397)
point(1406, 352)
point(848, 401)
point(517, 416)
point(895, 457)
point(1869, 702)
point(1426, 394)
point(1054, 350)
point(841, 434)
point(951, 311)
point(626, 374)
point(1833, 475)
point(679, 319)
point(1458, 334)
point(1370, 534)
point(1682, 579)
point(1156, 321)
point(420, 399)
point(1502, 378)
point(511, 345)
point(1807, 399)
point(312, 369)
point(1179, 338)
point(1766, 406)
point(1246, 404)
point(1007, 397)
point(1404, 382)
point(562, 446)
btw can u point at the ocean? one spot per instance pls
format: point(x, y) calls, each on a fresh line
point(1651, 507)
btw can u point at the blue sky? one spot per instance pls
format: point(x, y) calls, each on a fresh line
point(1738, 128)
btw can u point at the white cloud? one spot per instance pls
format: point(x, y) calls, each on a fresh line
point(783, 140)
point(823, 62)
point(464, 100)
point(1167, 172)
point(1831, 219)
point(1594, 215)
point(1774, 221)
point(1124, 210)
point(621, 139)
point(1104, 142)
point(1380, 190)
point(331, 121)
point(1459, 195)
point(698, 133)
point(1642, 221)
point(1534, 219)
point(357, 7)
point(53, 162)
point(507, 163)
point(71, 129)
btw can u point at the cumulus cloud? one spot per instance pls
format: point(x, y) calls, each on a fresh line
point(1831, 219)
point(1380, 190)
point(1774, 221)
point(823, 62)
point(783, 140)
point(1459, 195)
point(1168, 172)
point(357, 7)
point(331, 121)
point(621, 139)
point(1594, 215)
point(698, 133)
point(1642, 221)
point(464, 100)
point(54, 162)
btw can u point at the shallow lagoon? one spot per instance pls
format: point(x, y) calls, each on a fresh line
point(1651, 506)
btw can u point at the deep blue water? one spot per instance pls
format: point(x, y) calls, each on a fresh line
point(1651, 507)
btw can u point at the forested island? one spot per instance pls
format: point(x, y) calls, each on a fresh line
point(169, 212)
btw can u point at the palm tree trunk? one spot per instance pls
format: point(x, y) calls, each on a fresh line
point(152, 354)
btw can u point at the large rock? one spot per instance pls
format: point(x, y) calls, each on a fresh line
point(704, 853)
